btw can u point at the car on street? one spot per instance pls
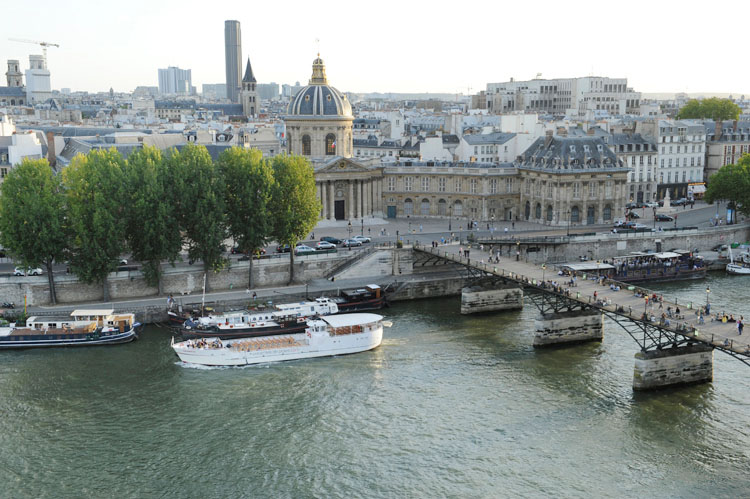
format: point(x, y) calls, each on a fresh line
point(331, 240)
point(363, 239)
point(325, 245)
point(350, 243)
point(652, 204)
point(624, 225)
point(679, 202)
point(633, 215)
point(661, 217)
point(20, 271)
point(283, 248)
point(303, 249)
point(641, 228)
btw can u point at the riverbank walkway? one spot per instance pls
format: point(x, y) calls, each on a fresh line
point(629, 303)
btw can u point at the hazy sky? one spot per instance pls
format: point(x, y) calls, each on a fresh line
point(390, 46)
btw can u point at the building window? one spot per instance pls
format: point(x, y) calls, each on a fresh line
point(330, 145)
point(306, 145)
point(508, 185)
point(528, 186)
point(575, 214)
point(441, 207)
point(408, 207)
point(493, 186)
point(426, 184)
point(458, 208)
point(576, 189)
point(538, 211)
point(592, 189)
point(408, 183)
point(458, 185)
point(473, 186)
point(607, 213)
point(425, 207)
point(549, 212)
point(441, 184)
point(391, 184)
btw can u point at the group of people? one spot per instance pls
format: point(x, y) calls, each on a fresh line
point(204, 343)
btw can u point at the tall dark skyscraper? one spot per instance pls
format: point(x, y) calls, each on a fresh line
point(233, 56)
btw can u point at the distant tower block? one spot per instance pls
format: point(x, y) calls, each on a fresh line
point(233, 58)
point(14, 75)
point(249, 92)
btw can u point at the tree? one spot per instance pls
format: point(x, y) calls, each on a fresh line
point(249, 181)
point(732, 183)
point(714, 108)
point(32, 217)
point(199, 201)
point(95, 196)
point(152, 230)
point(294, 206)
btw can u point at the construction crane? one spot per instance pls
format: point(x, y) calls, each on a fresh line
point(43, 44)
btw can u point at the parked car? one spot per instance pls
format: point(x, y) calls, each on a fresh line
point(661, 217)
point(641, 228)
point(349, 243)
point(331, 240)
point(325, 245)
point(679, 202)
point(283, 248)
point(19, 271)
point(258, 253)
point(363, 239)
point(303, 249)
point(652, 204)
point(633, 215)
point(620, 223)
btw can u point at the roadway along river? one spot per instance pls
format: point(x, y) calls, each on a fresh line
point(447, 406)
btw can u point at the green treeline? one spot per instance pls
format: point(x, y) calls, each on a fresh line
point(153, 205)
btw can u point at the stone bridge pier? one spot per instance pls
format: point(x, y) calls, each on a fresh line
point(491, 296)
point(568, 327)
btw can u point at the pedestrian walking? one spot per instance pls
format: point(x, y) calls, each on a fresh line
point(740, 325)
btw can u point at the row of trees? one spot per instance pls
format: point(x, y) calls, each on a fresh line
point(152, 205)
point(711, 109)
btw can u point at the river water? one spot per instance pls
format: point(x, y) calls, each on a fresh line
point(447, 406)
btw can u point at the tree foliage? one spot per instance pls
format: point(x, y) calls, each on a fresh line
point(152, 230)
point(713, 109)
point(199, 202)
point(294, 206)
point(249, 181)
point(94, 186)
point(732, 183)
point(32, 217)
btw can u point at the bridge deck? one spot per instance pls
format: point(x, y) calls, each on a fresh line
point(625, 303)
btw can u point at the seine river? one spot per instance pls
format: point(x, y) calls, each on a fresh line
point(448, 406)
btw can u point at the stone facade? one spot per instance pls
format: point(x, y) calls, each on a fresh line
point(569, 327)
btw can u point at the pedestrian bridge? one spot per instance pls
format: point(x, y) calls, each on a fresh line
point(662, 343)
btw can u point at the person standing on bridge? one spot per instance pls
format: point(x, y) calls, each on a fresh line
point(740, 325)
point(506, 231)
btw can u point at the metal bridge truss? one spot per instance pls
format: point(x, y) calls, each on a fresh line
point(553, 303)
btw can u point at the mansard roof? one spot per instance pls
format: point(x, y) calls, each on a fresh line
point(568, 154)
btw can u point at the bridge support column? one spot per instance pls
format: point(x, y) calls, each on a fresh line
point(673, 366)
point(477, 299)
point(564, 328)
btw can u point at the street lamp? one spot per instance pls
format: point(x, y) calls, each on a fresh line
point(708, 290)
point(450, 217)
point(362, 230)
point(654, 217)
point(544, 269)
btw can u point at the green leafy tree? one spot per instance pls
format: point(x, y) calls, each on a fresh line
point(199, 200)
point(94, 187)
point(732, 183)
point(32, 217)
point(294, 206)
point(152, 230)
point(249, 181)
point(713, 109)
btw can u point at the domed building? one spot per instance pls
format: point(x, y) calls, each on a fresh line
point(319, 126)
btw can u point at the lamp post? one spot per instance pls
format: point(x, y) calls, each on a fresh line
point(349, 227)
point(708, 290)
point(450, 217)
point(362, 230)
point(544, 269)
point(654, 217)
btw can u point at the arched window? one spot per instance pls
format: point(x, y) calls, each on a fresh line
point(330, 145)
point(538, 211)
point(549, 212)
point(13, 102)
point(575, 214)
point(424, 208)
point(590, 215)
point(441, 207)
point(306, 145)
point(458, 209)
point(408, 207)
point(607, 213)
point(527, 210)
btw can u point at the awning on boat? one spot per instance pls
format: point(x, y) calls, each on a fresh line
point(587, 266)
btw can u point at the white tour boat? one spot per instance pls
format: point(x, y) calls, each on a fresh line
point(330, 335)
point(742, 267)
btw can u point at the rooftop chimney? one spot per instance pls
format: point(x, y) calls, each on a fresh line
point(548, 138)
point(51, 155)
point(719, 129)
point(590, 131)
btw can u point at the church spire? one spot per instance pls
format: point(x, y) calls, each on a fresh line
point(249, 77)
point(319, 72)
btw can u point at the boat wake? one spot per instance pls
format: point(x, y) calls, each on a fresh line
point(200, 367)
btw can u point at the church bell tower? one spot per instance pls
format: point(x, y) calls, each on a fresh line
point(249, 94)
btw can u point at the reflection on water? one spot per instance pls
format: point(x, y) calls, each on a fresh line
point(449, 405)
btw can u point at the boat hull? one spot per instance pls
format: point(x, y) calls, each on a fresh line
point(655, 277)
point(733, 268)
point(303, 349)
point(358, 306)
point(67, 340)
point(190, 334)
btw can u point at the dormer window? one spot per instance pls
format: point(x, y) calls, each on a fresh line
point(328, 97)
point(586, 149)
point(572, 149)
point(599, 147)
point(307, 98)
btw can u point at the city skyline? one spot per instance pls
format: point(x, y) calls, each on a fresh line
point(392, 48)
